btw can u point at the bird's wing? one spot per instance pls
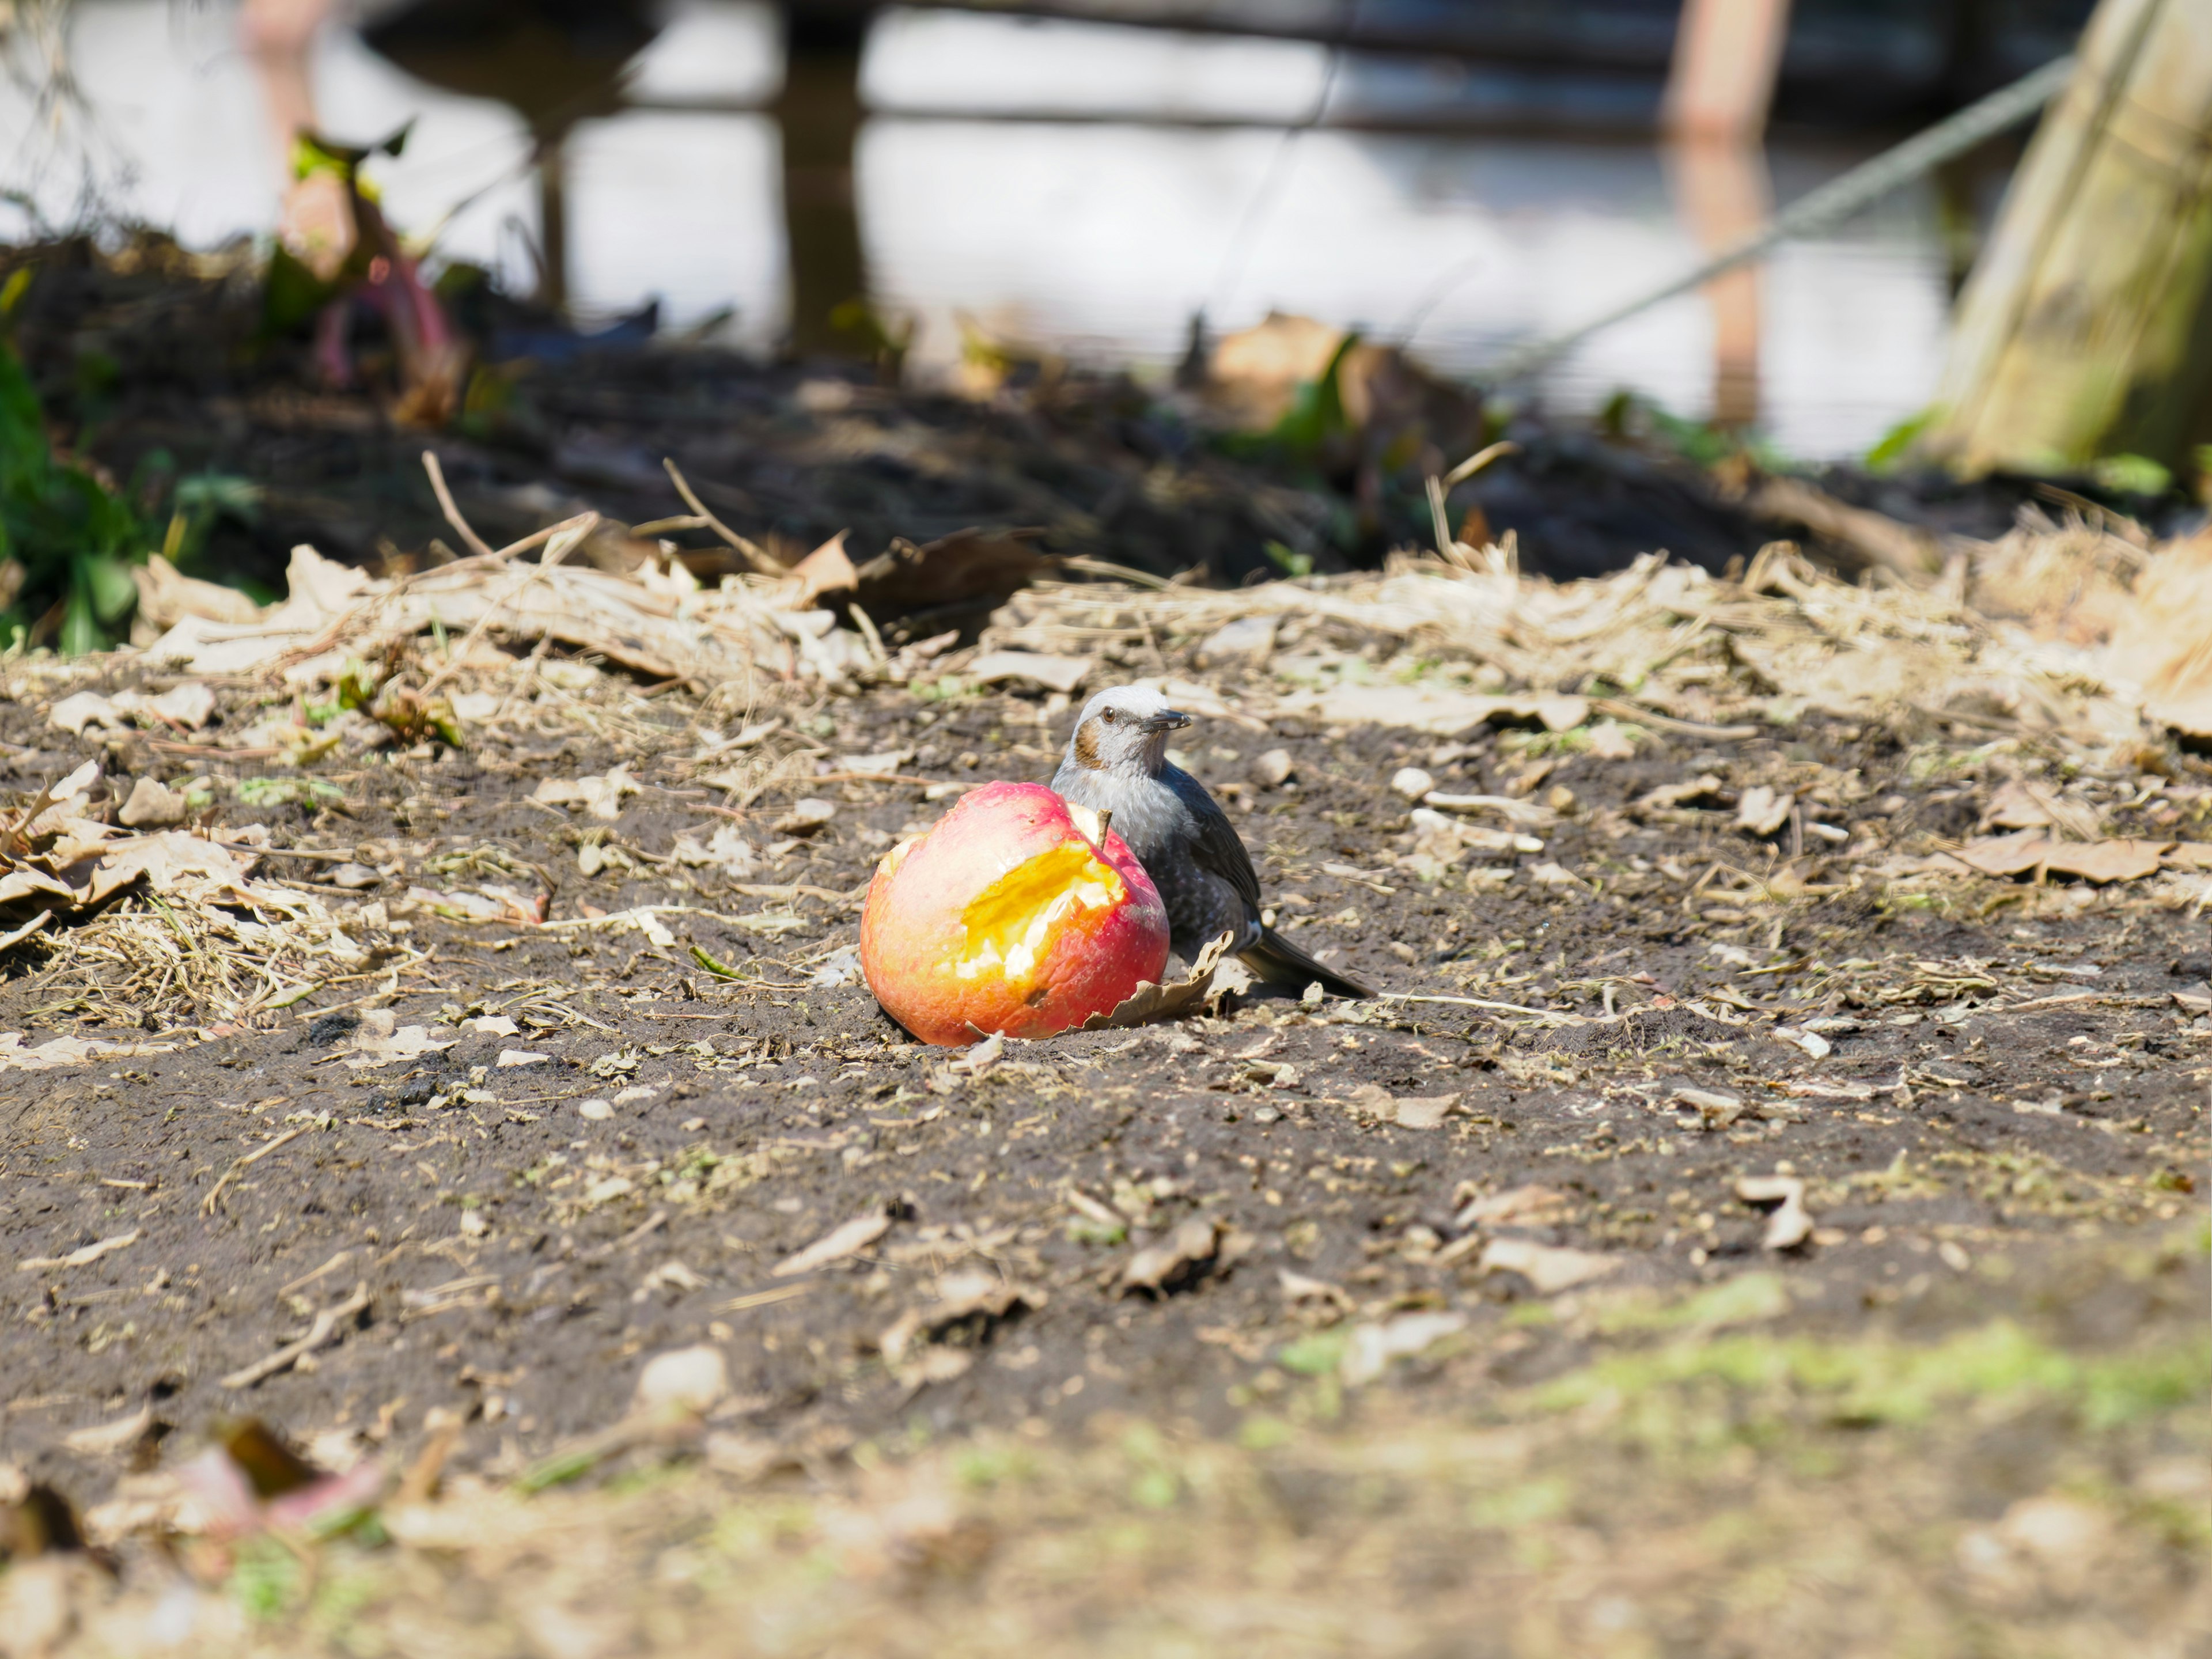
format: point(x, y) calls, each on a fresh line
point(1219, 847)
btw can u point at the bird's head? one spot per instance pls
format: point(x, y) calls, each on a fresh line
point(1124, 729)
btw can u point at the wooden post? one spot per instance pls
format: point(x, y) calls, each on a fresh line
point(2085, 329)
point(1726, 54)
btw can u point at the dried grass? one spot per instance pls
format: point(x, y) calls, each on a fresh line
point(2030, 651)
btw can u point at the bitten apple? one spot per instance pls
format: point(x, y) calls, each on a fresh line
point(1016, 913)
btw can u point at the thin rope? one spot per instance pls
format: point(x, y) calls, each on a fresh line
point(1817, 210)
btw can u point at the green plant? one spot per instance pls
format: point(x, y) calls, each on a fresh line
point(1632, 417)
point(67, 542)
point(1892, 448)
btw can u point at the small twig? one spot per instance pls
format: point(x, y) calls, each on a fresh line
point(561, 540)
point(83, 1258)
point(307, 1279)
point(286, 851)
point(644, 1229)
point(1484, 1002)
point(477, 544)
point(756, 556)
point(763, 1298)
point(213, 1200)
point(421, 1480)
point(1642, 716)
point(1474, 462)
point(26, 930)
point(325, 1327)
point(537, 537)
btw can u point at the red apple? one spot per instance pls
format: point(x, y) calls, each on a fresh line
point(1015, 913)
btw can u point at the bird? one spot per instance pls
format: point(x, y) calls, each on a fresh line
point(1116, 763)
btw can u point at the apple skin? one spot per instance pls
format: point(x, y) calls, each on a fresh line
point(1006, 917)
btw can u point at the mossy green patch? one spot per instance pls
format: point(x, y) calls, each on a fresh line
point(1876, 1380)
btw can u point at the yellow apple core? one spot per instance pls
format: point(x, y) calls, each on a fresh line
point(1009, 923)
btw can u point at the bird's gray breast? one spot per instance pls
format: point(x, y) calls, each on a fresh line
point(1163, 829)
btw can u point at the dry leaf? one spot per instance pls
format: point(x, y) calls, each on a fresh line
point(1407, 1111)
point(2122, 860)
point(1149, 1002)
point(1063, 674)
point(73, 714)
point(1549, 1267)
point(1517, 1207)
point(1159, 1268)
point(850, 1239)
point(602, 796)
point(372, 1049)
point(1374, 1346)
point(1761, 810)
point(153, 805)
point(807, 815)
point(1790, 1224)
point(968, 1305)
point(68, 1051)
point(1247, 640)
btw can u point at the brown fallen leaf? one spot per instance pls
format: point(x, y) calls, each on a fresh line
point(1789, 1224)
point(1158, 1268)
point(1761, 810)
point(153, 805)
point(852, 1237)
point(967, 565)
point(1150, 1003)
point(934, 1344)
point(2121, 860)
point(1549, 1267)
point(1705, 787)
point(1299, 1288)
point(1407, 1111)
point(2163, 640)
point(1063, 674)
point(601, 796)
point(1714, 1110)
point(68, 1051)
point(2021, 805)
point(1374, 1346)
point(1517, 1207)
point(107, 1439)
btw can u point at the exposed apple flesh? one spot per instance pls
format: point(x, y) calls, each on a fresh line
point(1015, 913)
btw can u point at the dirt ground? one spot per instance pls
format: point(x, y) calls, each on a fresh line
point(1430, 1324)
point(1733, 1229)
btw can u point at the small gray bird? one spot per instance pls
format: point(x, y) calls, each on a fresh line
point(1117, 762)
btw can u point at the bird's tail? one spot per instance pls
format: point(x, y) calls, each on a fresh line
point(1275, 958)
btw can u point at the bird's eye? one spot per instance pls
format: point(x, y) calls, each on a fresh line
point(1110, 714)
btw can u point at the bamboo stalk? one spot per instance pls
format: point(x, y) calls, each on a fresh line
point(2086, 330)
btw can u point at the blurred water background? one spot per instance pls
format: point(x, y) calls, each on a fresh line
point(1084, 187)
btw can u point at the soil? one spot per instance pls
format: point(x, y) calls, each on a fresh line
point(521, 1257)
point(1633, 1422)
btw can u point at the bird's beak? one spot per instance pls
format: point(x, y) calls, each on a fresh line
point(1168, 720)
